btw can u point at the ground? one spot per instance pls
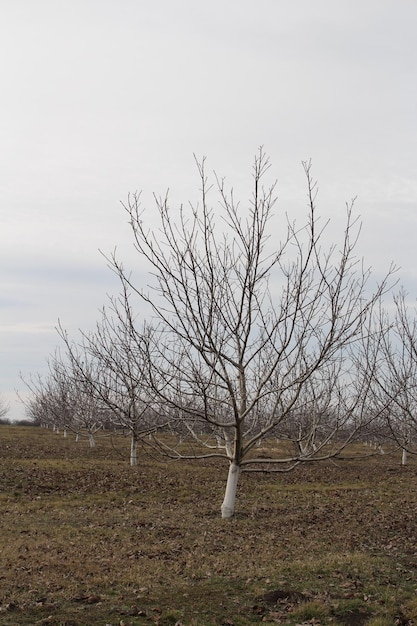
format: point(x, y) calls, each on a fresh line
point(86, 539)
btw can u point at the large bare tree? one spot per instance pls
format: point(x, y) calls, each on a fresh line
point(246, 320)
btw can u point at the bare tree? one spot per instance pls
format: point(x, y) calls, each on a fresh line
point(108, 365)
point(4, 408)
point(395, 383)
point(62, 400)
point(51, 401)
point(244, 324)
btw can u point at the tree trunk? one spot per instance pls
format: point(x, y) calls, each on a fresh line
point(404, 457)
point(228, 506)
point(133, 451)
point(92, 441)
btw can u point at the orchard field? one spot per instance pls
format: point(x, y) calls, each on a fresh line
point(87, 539)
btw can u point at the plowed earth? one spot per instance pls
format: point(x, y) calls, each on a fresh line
point(86, 539)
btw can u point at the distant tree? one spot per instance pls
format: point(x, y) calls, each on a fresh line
point(85, 412)
point(25, 422)
point(395, 382)
point(108, 364)
point(4, 408)
point(246, 322)
point(61, 401)
point(50, 403)
point(36, 411)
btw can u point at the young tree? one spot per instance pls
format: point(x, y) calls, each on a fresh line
point(245, 326)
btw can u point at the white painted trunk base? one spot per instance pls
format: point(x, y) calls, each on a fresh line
point(228, 506)
point(133, 451)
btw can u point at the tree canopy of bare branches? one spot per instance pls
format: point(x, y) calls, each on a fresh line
point(108, 365)
point(253, 330)
point(394, 352)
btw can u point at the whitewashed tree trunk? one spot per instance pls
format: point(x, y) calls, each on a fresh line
point(228, 506)
point(228, 444)
point(92, 441)
point(133, 451)
point(404, 457)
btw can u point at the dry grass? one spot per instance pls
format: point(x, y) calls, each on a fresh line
point(85, 539)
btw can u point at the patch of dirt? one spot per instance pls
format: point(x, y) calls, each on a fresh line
point(356, 617)
point(83, 533)
point(282, 596)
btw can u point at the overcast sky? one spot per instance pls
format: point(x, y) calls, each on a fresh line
point(104, 97)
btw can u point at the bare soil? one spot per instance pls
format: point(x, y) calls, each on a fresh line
point(86, 539)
